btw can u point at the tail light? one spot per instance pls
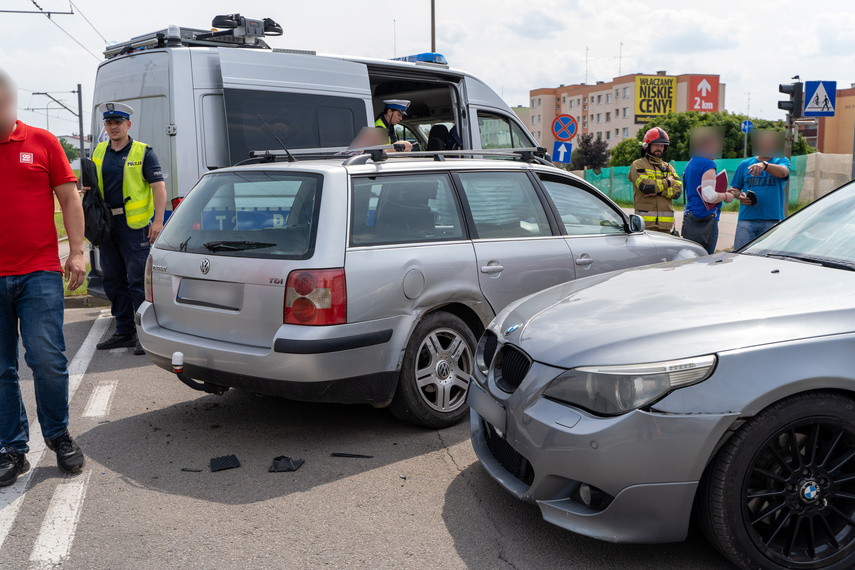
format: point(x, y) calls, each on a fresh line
point(176, 201)
point(315, 297)
point(149, 292)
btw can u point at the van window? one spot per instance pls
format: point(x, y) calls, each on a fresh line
point(499, 132)
point(299, 121)
point(247, 214)
point(504, 205)
point(404, 209)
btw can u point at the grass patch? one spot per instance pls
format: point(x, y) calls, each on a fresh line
point(60, 227)
point(80, 291)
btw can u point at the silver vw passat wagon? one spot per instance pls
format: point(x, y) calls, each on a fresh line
point(725, 383)
point(369, 281)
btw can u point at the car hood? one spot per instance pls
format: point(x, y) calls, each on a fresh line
point(681, 309)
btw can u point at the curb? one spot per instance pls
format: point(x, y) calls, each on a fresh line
point(85, 302)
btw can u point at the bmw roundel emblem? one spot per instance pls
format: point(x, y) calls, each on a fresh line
point(513, 328)
point(810, 491)
point(205, 266)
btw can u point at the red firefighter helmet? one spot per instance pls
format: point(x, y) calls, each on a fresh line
point(655, 135)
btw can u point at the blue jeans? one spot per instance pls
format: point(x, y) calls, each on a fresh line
point(123, 259)
point(747, 230)
point(36, 302)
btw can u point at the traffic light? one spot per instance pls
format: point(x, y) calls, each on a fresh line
point(794, 106)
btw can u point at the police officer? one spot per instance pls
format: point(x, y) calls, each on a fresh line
point(394, 111)
point(655, 183)
point(132, 184)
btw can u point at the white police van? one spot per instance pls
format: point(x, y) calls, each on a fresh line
point(203, 100)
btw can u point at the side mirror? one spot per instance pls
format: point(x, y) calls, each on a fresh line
point(636, 224)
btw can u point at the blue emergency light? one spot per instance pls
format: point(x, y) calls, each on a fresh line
point(429, 57)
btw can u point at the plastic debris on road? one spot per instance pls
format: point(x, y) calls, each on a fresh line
point(224, 462)
point(284, 463)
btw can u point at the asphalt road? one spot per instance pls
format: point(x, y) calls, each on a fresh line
point(421, 501)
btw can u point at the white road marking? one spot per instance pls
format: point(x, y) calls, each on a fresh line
point(11, 498)
point(99, 401)
point(56, 536)
point(118, 351)
point(78, 366)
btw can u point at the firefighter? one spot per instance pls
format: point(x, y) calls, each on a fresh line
point(655, 183)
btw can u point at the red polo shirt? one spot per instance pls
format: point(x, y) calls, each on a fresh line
point(32, 164)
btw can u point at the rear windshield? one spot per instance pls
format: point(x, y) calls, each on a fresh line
point(247, 214)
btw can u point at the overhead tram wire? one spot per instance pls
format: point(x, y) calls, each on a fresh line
point(91, 25)
point(47, 14)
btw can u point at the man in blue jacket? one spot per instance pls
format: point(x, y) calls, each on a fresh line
point(761, 181)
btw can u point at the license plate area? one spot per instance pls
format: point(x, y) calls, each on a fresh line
point(211, 294)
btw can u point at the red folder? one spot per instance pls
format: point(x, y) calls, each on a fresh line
point(720, 187)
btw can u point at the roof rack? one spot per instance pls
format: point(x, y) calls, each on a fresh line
point(379, 154)
point(239, 32)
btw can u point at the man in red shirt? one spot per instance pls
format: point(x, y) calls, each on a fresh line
point(35, 169)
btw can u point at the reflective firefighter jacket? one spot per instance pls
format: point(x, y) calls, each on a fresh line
point(652, 192)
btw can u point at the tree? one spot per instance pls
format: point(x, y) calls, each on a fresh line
point(71, 151)
point(679, 126)
point(590, 153)
point(626, 152)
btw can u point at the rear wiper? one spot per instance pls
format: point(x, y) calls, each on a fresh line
point(236, 245)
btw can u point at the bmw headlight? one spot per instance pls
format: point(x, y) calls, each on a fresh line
point(614, 390)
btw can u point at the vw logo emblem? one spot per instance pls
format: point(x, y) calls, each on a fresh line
point(810, 491)
point(443, 369)
point(512, 328)
point(205, 266)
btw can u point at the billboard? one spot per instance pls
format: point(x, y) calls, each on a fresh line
point(655, 95)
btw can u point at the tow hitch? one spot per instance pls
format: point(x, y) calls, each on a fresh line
point(178, 368)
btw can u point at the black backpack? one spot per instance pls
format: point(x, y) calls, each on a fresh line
point(96, 213)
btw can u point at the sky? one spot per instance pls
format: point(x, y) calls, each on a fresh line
point(514, 46)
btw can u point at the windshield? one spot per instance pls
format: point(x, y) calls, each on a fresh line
point(822, 232)
point(247, 214)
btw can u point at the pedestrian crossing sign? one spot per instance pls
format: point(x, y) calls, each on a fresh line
point(820, 98)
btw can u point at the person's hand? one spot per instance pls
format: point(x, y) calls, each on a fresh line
point(85, 189)
point(75, 270)
point(744, 199)
point(756, 169)
point(670, 180)
point(154, 230)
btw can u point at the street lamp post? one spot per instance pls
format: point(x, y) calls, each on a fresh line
point(433, 25)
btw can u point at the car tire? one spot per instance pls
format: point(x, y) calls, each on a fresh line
point(781, 491)
point(435, 373)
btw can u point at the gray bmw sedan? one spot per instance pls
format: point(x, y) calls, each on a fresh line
point(724, 385)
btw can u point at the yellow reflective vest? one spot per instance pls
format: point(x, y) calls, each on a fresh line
point(652, 193)
point(388, 128)
point(139, 198)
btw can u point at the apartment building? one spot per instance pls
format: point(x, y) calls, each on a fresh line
point(618, 109)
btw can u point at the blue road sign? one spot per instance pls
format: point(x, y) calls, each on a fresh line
point(564, 127)
point(747, 126)
point(561, 152)
point(820, 98)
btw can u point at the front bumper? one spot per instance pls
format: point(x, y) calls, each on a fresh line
point(353, 363)
point(648, 464)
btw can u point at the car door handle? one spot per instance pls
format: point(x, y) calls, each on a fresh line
point(585, 260)
point(492, 269)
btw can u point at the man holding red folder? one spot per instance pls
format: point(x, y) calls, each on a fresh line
point(705, 190)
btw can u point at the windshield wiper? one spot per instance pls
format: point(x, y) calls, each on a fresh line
point(236, 245)
point(831, 263)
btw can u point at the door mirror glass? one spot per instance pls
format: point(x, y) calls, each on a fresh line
point(636, 223)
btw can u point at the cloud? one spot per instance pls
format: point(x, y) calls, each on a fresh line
point(536, 26)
